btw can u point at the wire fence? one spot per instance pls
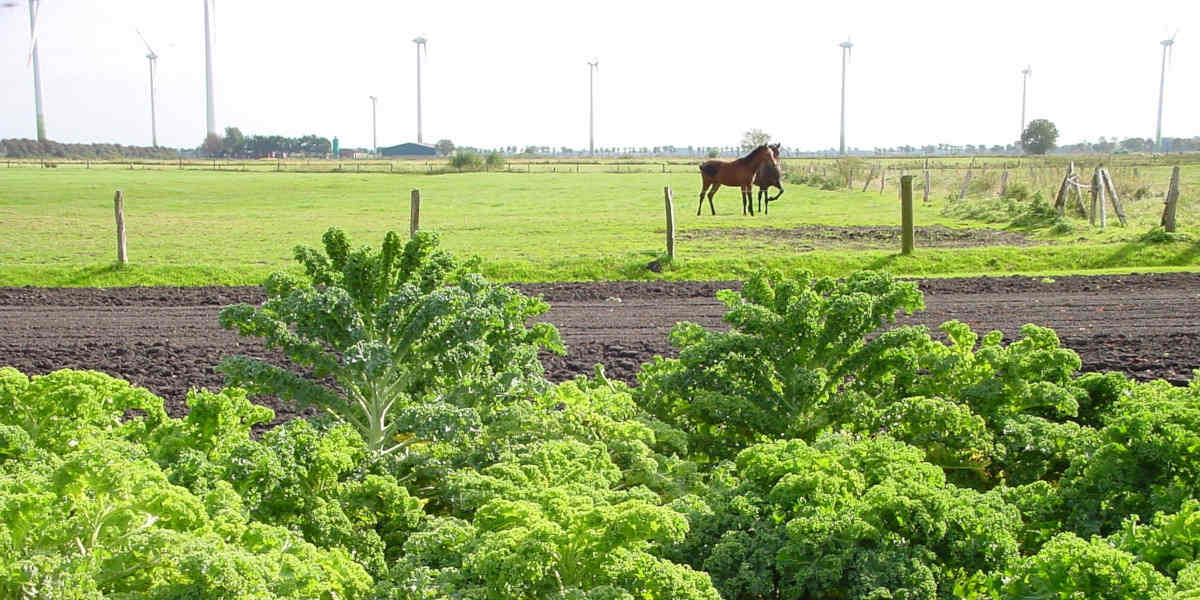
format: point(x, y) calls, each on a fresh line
point(1035, 169)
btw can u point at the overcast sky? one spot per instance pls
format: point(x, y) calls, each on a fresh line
point(683, 73)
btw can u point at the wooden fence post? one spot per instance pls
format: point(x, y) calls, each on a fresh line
point(967, 179)
point(882, 179)
point(414, 215)
point(1060, 199)
point(119, 211)
point(1168, 218)
point(1004, 181)
point(928, 182)
point(906, 214)
point(1112, 194)
point(670, 207)
point(870, 176)
point(1098, 200)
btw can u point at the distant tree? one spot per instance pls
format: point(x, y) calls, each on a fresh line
point(444, 147)
point(234, 143)
point(1137, 145)
point(1039, 136)
point(713, 153)
point(212, 145)
point(495, 160)
point(465, 160)
point(754, 138)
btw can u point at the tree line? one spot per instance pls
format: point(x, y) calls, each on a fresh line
point(25, 148)
point(236, 145)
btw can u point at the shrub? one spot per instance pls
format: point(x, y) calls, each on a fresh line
point(1018, 192)
point(465, 160)
point(1062, 227)
point(1036, 213)
point(1158, 235)
point(495, 160)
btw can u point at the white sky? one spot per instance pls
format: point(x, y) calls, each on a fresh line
point(684, 73)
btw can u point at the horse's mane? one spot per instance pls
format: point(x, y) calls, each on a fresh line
point(746, 158)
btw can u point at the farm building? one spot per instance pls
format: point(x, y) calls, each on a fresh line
point(409, 149)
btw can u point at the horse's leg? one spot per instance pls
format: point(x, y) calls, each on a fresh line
point(747, 200)
point(702, 190)
point(712, 193)
point(761, 191)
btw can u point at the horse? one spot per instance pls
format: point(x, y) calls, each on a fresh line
point(768, 175)
point(739, 172)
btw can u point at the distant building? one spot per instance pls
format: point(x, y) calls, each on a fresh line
point(409, 149)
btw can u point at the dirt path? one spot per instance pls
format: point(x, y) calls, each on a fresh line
point(168, 339)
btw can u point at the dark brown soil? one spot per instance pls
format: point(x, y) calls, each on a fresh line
point(813, 237)
point(168, 339)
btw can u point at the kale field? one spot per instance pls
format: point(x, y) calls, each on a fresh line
point(168, 340)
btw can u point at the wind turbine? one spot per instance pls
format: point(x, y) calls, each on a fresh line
point(593, 66)
point(420, 42)
point(374, 139)
point(1162, 81)
point(1024, 85)
point(152, 56)
point(846, 46)
point(208, 69)
point(37, 72)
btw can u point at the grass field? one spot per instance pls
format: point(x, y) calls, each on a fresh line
point(192, 227)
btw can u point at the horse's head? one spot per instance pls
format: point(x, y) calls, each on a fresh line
point(762, 153)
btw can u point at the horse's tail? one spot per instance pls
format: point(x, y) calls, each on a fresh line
point(709, 169)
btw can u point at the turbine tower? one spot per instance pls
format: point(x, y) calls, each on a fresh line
point(208, 70)
point(846, 46)
point(153, 120)
point(1024, 86)
point(420, 42)
point(374, 139)
point(37, 72)
point(1162, 82)
point(593, 66)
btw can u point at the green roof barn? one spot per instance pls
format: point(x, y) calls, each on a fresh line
point(409, 149)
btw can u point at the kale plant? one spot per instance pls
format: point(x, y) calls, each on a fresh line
point(402, 343)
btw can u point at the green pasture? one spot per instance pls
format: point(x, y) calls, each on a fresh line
point(196, 226)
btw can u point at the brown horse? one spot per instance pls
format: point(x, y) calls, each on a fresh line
point(740, 172)
point(768, 175)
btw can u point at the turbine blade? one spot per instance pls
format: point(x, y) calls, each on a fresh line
point(148, 48)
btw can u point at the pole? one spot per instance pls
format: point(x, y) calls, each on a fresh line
point(670, 207)
point(119, 211)
point(414, 216)
point(37, 74)
point(1024, 88)
point(153, 118)
point(374, 138)
point(906, 215)
point(1168, 218)
point(1162, 82)
point(592, 108)
point(420, 41)
point(209, 114)
point(845, 51)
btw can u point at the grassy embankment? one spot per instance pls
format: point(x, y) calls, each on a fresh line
point(196, 227)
